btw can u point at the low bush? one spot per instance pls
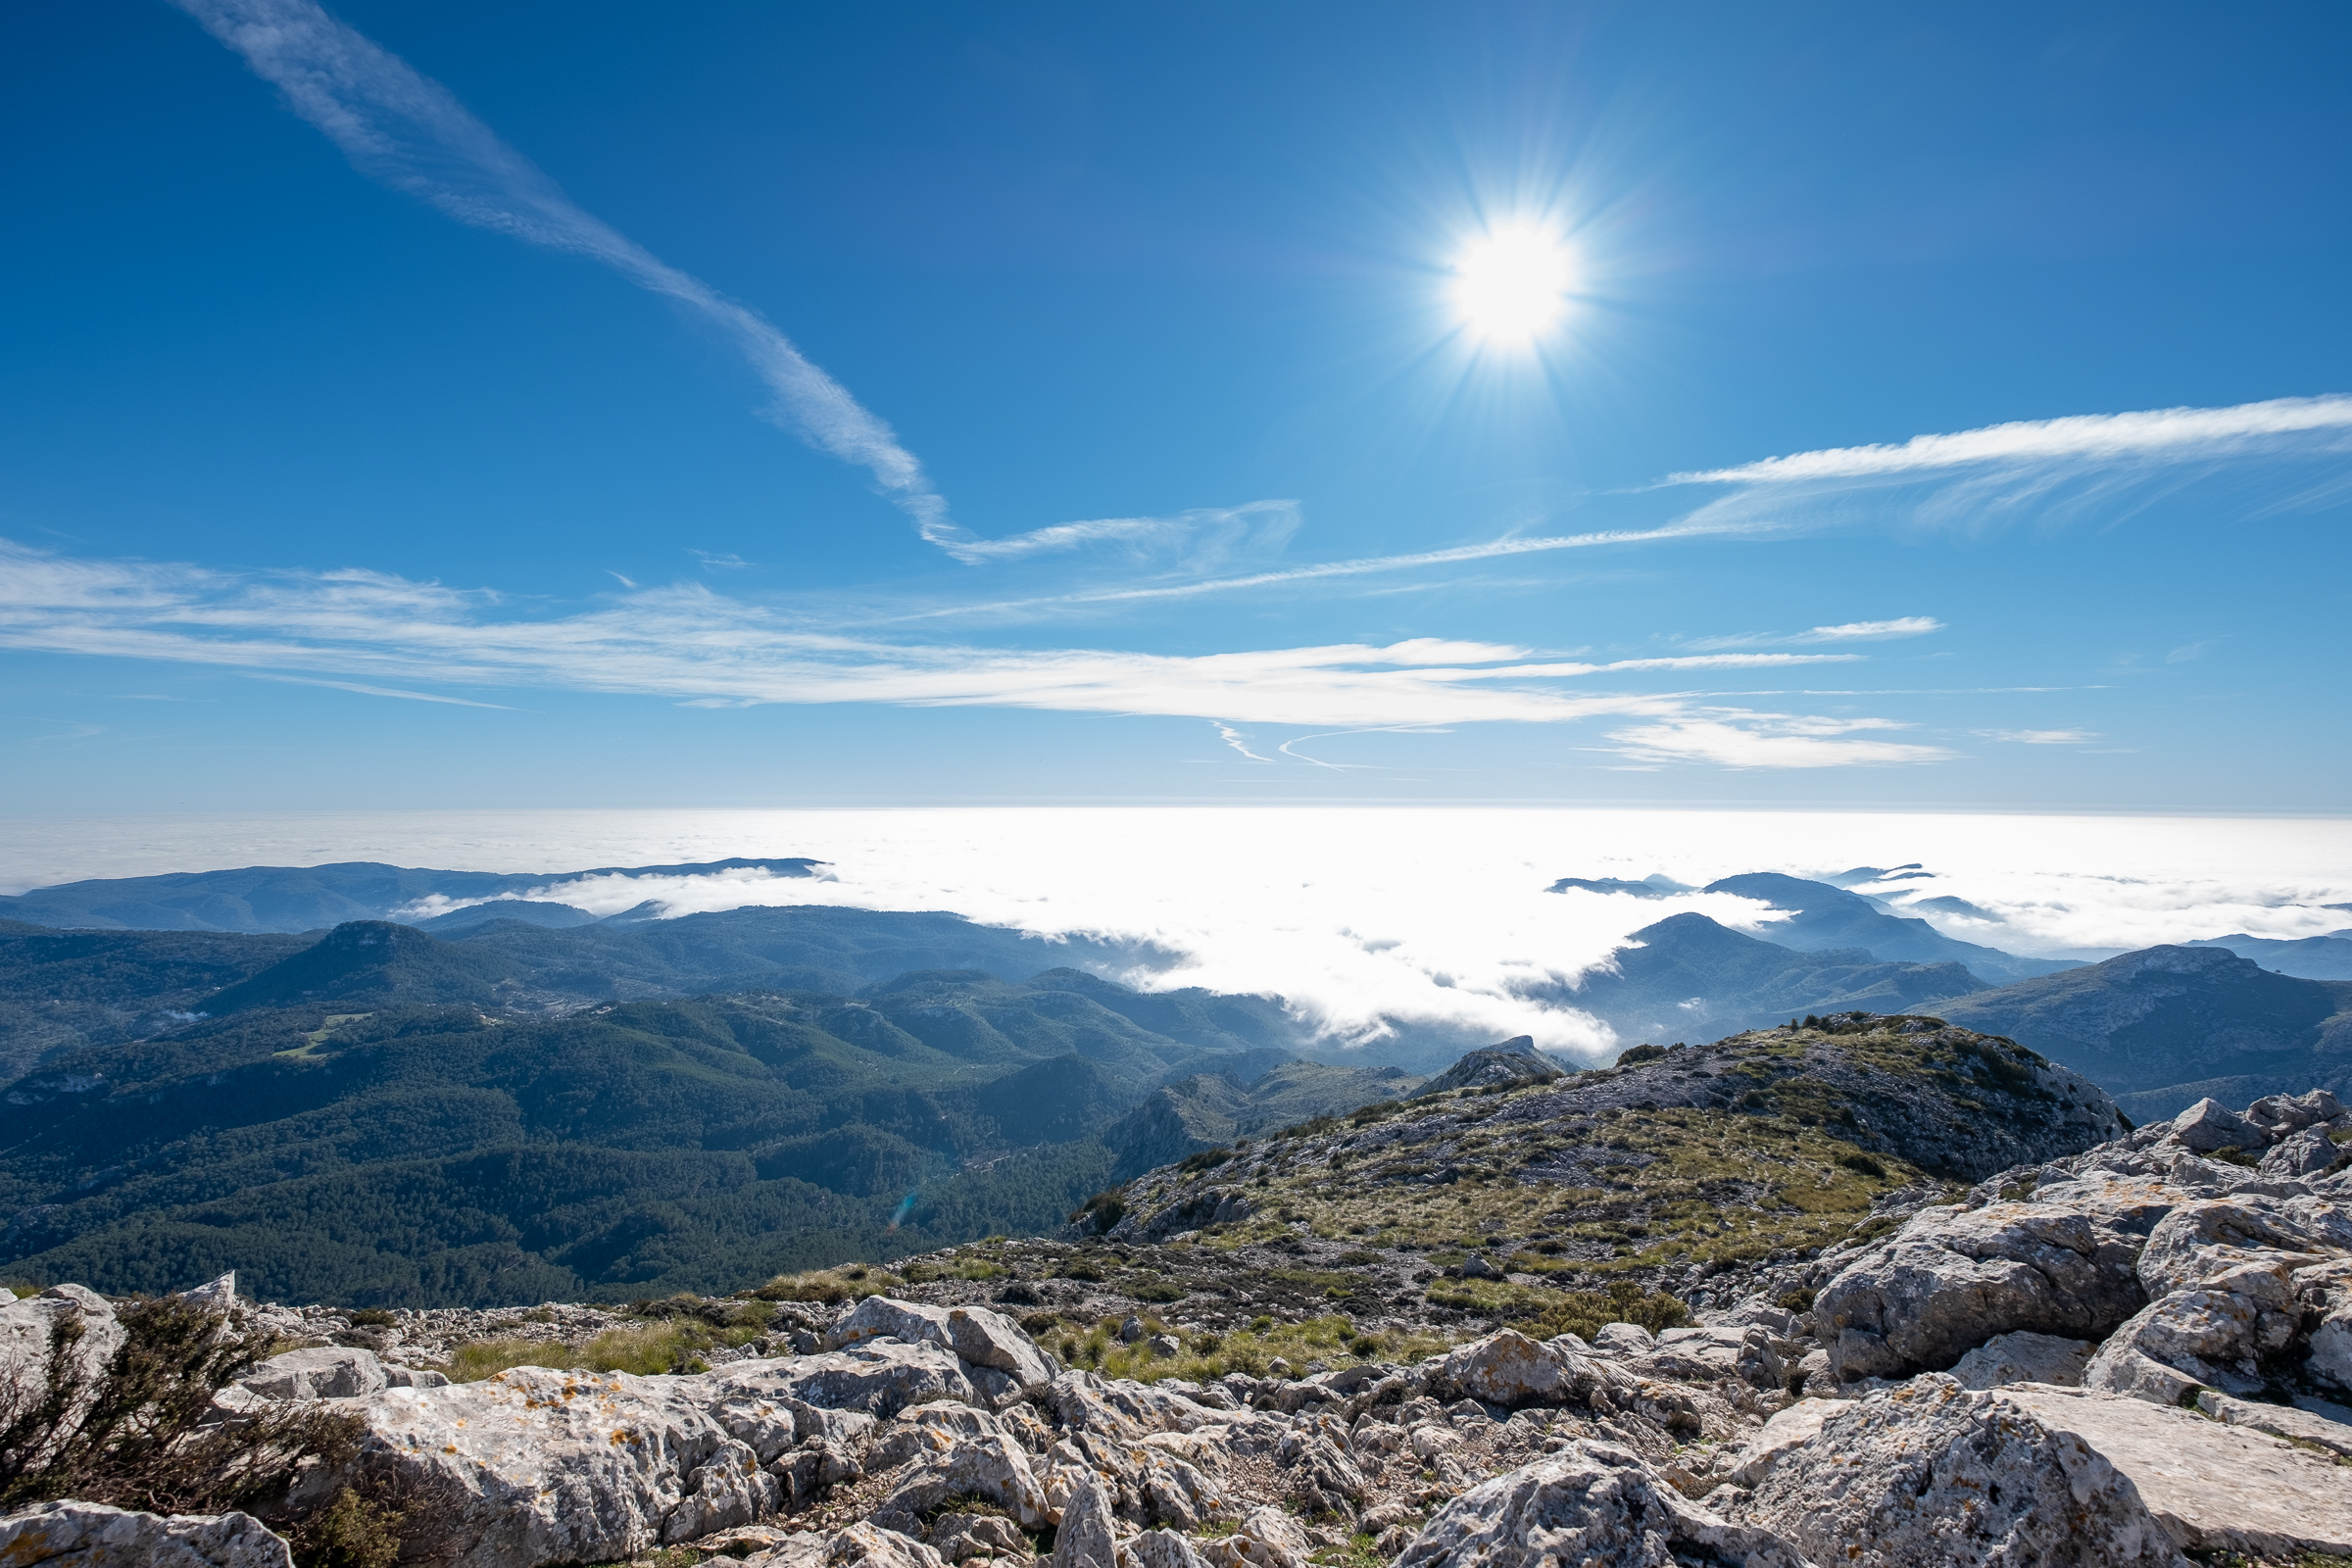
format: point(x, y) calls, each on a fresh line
point(132, 1434)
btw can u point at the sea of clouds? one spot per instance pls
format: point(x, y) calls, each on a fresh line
point(1360, 915)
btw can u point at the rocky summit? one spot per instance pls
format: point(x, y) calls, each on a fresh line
point(1863, 1291)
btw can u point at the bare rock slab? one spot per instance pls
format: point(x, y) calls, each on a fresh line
point(2216, 1488)
point(90, 1534)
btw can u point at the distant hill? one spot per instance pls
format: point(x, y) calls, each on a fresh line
point(1828, 918)
point(63, 990)
point(2327, 957)
point(2162, 1026)
point(1690, 978)
point(1207, 1110)
point(529, 912)
point(305, 897)
point(365, 1127)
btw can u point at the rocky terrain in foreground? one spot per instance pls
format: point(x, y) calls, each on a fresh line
point(1755, 1303)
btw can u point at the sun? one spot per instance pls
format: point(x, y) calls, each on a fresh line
point(1511, 284)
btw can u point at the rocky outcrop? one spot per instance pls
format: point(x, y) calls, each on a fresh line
point(1509, 1066)
point(1593, 1503)
point(974, 1335)
point(1953, 1278)
point(89, 1535)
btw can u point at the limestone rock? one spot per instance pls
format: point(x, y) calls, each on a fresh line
point(2199, 1241)
point(991, 1467)
point(2215, 1487)
point(1160, 1548)
point(536, 1466)
point(332, 1372)
point(2298, 1154)
point(1512, 1370)
point(1932, 1473)
point(1789, 1430)
point(1623, 1340)
point(1267, 1537)
point(973, 1333)
point(2190, 1338)
point(2208, 1125)
point(862, 1545)
point(2295, 1425)
point(26, 1327)
point(1953, 1278)
point(1592, 1503)
point(1086, 1538)
point(90, 1534)
point(2024, 1358)
point(878, 1379)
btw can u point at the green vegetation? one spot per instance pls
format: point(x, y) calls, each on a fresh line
point(1332, 1339)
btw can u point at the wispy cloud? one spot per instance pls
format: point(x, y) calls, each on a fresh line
point(1853, 631)
point(687, 642)
point(2038, 737)
point(1238, 741)
point(1204, 537)
point(2167, 434)
point(382, 691)
point(409, 132)
point(1731, 738)
point(710, 563)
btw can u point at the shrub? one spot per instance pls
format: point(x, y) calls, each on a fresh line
point(1640, 1054)
point(1858, 1161)
point(131, 1434)
point(1205, 1159)
point(1105, 1209)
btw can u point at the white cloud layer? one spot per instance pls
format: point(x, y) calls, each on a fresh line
point(1431, 916)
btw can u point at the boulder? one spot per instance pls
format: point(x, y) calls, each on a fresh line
point(1930, 1473)
point(991, 1467)
point(958, 1536)
point(2325, 1293)
point(2198, 1242)
point(1267, 1538)
point(2208, 1125)
point(2024, 1358)
point(1592, 1503)
point(1512, 1370)
point(1751, 1353)
point(877, 1379)
point(90, 1534)
point(2300, 1154)
point(1623, 1340)
point(2191, 1340)
point(332, 1372)
point(1161, 1548)
point(864, 1545)
point(1952, 1278)
point(973, 1333)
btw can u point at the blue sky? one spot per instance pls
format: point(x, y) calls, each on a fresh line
point(574, 405)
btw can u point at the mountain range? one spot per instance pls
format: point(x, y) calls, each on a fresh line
point(517, 1100)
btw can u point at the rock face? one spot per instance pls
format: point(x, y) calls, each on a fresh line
point(1592, 1504)
point(1931, 1474)
point(89, 1535)
point(330, 1373)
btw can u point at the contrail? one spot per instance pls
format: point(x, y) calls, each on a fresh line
point(411, 134)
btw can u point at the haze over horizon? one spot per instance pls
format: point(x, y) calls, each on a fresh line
point(424, 407)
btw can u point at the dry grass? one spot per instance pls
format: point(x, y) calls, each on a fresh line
point(1205, 1357)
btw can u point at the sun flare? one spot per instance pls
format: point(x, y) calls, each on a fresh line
point(1511, 284)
